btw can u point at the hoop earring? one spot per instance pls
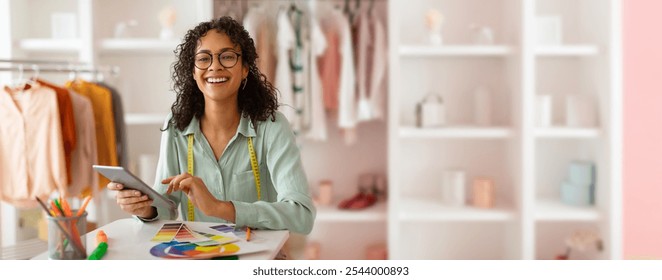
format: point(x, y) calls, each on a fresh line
point(245, 82)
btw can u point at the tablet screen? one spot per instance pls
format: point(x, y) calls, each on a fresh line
point(120, 175)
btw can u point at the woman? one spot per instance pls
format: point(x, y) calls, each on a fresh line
point(225, 112)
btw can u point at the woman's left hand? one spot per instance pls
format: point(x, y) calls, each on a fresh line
point(195, 189)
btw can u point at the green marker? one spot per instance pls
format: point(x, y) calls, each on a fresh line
point(98, 253)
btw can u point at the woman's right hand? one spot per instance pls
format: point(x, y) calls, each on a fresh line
point(132, 201)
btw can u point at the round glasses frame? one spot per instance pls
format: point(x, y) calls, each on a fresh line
point(204, 60)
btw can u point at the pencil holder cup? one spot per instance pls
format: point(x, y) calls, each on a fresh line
point(64, 237)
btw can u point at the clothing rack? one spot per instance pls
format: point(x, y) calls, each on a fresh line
point(9, 215)
point(38, 66)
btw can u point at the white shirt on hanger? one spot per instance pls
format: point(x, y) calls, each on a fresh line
point(317, 130)
point(347, 90)
point(286, 40)
point(378, 70)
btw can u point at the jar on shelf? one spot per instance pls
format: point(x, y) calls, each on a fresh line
point(430, 112)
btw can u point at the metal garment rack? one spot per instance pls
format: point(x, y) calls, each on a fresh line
point(8, 213)
point(48, 66)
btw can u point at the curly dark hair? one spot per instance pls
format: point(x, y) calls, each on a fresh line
point(257, 100)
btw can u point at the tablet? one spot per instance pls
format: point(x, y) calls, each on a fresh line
point(120, 175)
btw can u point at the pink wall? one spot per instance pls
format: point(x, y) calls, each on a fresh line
point(642, 154)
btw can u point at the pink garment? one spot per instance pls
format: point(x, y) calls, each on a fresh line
point(265, 59)
point(31, 152)
point(85, 153)
point(329, 65)
point(317, 126)
point(257, 25)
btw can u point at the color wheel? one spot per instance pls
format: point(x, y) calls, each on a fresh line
point(187, 250)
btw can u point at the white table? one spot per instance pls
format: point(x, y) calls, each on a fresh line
point(129, 239)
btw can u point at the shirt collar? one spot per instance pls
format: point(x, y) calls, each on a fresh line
point(244, 127)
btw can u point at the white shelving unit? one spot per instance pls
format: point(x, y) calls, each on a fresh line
point(432, 51)
point(526, 162)
point(331, 214)
point(141, 46)
point(560, 51)
point(553, 210)
point(565, 132)
point(145, 119)
point(456, 132)
point(426, 210)
point(50, 45)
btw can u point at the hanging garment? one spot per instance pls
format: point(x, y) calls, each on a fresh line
point(347, 91)
point(330, 64)
point(104, 123)
point(362, 43)
point(317, 129)
point(32, 162)
point(297, 57)
point(302, 29)
point(67, 123)
point(120, 125)
point(284, 83)
point(377, 68)
point(85, 153)
point(257, 25)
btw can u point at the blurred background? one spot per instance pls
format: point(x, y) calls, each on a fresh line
point(431, 129)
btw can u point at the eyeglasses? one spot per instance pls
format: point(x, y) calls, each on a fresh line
point(228, 59)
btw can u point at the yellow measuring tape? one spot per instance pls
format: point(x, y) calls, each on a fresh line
point(254, 167)
point(256, 171)
point(189, 161)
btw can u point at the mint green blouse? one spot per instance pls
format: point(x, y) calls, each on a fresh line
point(286, 202)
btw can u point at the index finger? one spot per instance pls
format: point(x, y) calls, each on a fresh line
point(167, 180)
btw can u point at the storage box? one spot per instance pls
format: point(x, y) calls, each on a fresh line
point(577, 195)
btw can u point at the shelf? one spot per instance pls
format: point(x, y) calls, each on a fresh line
point(146, 45)
point(50, 45)
point(145, 119)
point(456, 132)
point(567, 132)
point(551, 210)
point(458, 50)
point(571, 50)
point(425, 210)
point(331, 213)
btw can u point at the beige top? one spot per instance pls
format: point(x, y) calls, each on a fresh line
point(85, 153)
point(31, 152)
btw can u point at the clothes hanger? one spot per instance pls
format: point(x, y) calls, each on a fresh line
point(294, 7)
point(19, 83)
point(73, 74)
point(33, 80)
point(99, 76)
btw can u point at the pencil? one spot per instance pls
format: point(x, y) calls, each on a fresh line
point(74, 223)
point(82, 208)
point(41, 203)
point(78, 248)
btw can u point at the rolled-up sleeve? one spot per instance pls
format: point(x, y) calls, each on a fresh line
point(293, 209)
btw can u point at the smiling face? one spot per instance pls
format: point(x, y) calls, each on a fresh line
point(217, 82)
